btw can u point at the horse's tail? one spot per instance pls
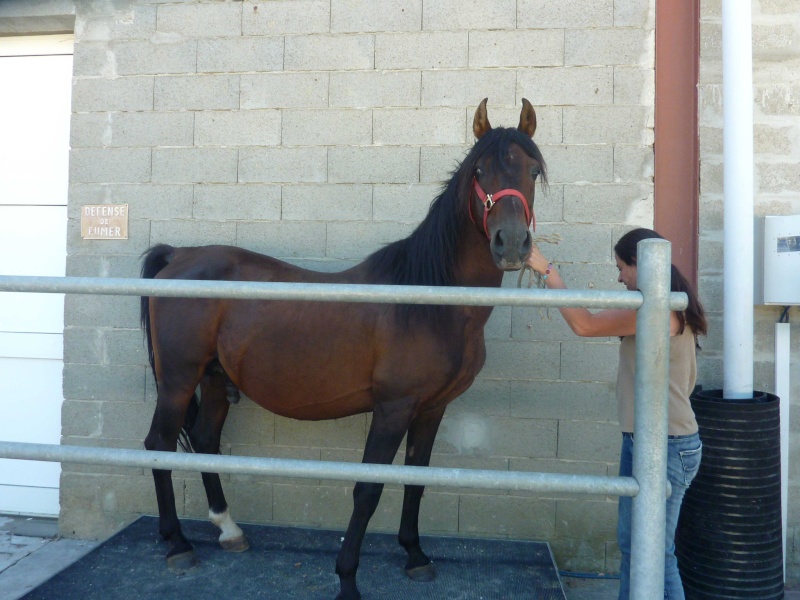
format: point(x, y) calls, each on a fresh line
point(155, 259)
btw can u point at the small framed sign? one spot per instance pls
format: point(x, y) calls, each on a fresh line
point(104, 222)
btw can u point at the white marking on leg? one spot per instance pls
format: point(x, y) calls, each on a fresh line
point(230, 530)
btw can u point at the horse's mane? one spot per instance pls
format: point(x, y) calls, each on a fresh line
point(429, 255)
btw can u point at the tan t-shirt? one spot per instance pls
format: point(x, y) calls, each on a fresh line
point(682, 378)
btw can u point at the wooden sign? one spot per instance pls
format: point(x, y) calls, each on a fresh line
point(104, 222)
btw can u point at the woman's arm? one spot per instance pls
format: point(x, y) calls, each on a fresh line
point(611, 322)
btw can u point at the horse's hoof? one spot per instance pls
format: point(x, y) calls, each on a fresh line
point(237, 544)
point(422, 574)
point(183, 562)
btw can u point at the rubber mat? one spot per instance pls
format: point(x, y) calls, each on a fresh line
point(293, 563)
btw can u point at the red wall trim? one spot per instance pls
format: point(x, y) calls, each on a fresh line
point(677, 152)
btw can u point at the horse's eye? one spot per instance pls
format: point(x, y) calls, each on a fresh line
point(478, 172)
point(535, 172)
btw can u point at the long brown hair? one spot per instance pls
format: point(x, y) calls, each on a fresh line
point(694, 315)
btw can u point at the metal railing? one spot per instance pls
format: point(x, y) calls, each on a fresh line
point(648, 486)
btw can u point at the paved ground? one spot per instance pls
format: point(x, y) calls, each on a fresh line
point(31, 552)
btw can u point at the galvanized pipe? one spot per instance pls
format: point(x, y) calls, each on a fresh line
point(650, 420)
point(314, 469)
point(329, 292)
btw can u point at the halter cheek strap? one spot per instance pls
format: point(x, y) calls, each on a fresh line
point(489, 200)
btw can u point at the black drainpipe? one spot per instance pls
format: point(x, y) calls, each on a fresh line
point(729, 541)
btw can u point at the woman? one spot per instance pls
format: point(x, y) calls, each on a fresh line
point(684, 446)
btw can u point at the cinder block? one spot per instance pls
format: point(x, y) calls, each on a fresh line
point(197, 92)
point(470, 434)
point(608, 125)
point(548, 205)
point(516, 517)
point(201, 20)
point(121, 93)
point(250, 501)
point(593, 520)
point(419, 126)
point(439, 163)
point(557, 465)
point(342, 202)
point(373, 165)
point(516, 48)
point(329, 52)
point(237, 202)
point(490, 397)
point(367, 15)
point(237, 128)
point(193, 232)
point(195, 165)
point(235, 55)
point(589, 361)
point(521, 360)
point(109, 165)
point(349, 432)
point(151, 129)
point(594, 401)
point(80, 418)
point(151, 201)
point(469, 14)
point(282, 165)
point(572, 164)
point(634, 85)
point(139, 23)
point(130, 494)
point(357, 240)
point(249, 425)
point(284, 90)
point(328, 505)
point(96, 441)
point(374, 89)
point(589, 440)
point(634, 13)
point(776, 178)
point(283, 239)
point(84, 345)
point(583, 556)
point(575, 14)
point(634, 163)
point(326, 127)
point(398, 202)
point(434, 50)
point(125, 347)
point(612, 46)
point(567, 86)
point(146, 58)
point(92, 60)
point(774, 98)
point(280, 17)
point(111, 384)
point(605, 203)
point(468, 87)
point(92, 265)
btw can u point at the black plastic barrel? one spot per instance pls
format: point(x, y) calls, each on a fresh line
point(729, 541)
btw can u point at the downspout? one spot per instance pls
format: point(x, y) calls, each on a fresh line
point(737, 127)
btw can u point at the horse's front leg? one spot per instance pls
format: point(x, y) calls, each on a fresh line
point(390, 421)
point(419, 445)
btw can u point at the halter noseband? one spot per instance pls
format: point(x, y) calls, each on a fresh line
point(489, 200)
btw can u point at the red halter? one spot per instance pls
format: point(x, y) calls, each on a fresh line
point(489, 200)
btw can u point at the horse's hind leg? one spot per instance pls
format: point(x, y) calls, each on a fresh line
point(163, 436)
point(205, 437)
point(389, 424)
point(419, 445)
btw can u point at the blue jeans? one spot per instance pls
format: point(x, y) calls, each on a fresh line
point(683, 461)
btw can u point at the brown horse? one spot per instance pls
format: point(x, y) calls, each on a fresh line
point(313, 361)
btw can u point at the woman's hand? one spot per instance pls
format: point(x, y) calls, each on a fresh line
point(537, 261)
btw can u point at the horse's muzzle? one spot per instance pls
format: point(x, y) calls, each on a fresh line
point(510, 251)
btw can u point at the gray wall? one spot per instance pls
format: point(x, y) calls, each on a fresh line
point(318, 130)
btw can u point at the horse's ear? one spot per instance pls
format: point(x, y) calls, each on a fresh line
point(480, 124)
point(527, 118)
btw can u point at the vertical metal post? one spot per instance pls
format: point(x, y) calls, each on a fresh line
point(650, 420)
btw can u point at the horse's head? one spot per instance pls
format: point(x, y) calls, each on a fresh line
point(503, 185)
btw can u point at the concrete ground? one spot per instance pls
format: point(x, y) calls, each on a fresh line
point(31, 553)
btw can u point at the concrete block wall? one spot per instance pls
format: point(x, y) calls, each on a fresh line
point(776, 124)
point(316, 131)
